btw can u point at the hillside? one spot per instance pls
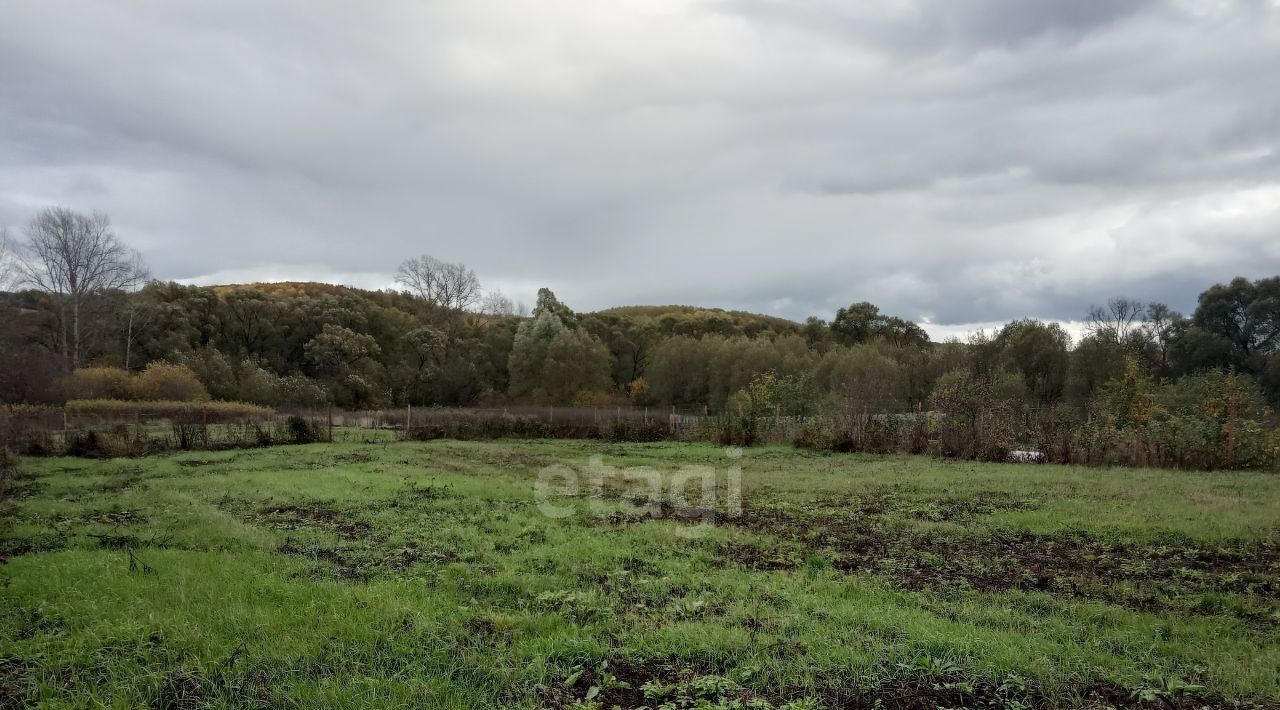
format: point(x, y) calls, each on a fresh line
point(670, 319)
point(739, 320)
point(673, 314)
point(289, 289)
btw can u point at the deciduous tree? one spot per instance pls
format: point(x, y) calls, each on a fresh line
point(861, 322)
point(450, 286)
point(8, 261)
point(1037, 351)
point(1117, 319)
point(77, 257)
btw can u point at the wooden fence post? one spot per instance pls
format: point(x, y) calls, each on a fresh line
point(204, 428)
point(329, 417)
point(1231, 428)
point(408, 419)
point(551, 414)
point(980, 435)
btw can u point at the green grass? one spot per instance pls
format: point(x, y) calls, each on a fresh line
point(360, 574)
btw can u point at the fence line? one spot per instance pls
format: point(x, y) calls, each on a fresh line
point(969, 430)
point(67, 422)
point(76, 431)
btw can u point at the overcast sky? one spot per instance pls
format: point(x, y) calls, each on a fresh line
point(953, 161)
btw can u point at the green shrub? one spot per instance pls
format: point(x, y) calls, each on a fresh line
point(303, 431)
point(976, 414)
point(816, 433)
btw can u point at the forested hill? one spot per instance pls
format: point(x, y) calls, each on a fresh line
point(288, 289)
point(287, 343)
point(696, 318)
point(671, 319)
point(303, 344)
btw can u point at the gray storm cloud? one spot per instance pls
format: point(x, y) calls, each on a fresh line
point(960, 162)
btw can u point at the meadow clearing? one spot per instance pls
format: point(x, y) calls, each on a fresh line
point(430, 574)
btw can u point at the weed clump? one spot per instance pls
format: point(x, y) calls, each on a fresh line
point(301, 430)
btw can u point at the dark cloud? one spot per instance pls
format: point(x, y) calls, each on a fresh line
point(961, 162)
point(945, 26)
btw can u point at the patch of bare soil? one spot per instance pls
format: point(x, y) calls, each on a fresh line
point(859, 539)
point(15, 485)
point(292, 516)
point(621, 683)
point(195, 463)
point(181, 691)
point(636, 684)
point(362, 553)
point(123, 516)
point(121, 479)
point(16, 684)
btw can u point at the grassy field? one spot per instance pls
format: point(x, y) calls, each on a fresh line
point(428, 575)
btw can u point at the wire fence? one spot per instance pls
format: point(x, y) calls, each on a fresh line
point(966, 430)
point(409, 417)
point(49, 431)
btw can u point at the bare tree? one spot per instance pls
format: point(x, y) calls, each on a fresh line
point(8, 261)
point(496, 303)
point(76, 256)
point(451, 286)
point(1162, 325)
point(1115, 321)
point(137, 314)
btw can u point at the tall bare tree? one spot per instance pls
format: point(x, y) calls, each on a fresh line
point(497, 303)
point(137, 315)
point(8, 261)
point(1116, 320)
point(450, 286)
point(77, 257)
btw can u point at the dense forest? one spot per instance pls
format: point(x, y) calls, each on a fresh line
point(439, 340)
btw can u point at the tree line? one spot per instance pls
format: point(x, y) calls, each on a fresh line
point(77, 298)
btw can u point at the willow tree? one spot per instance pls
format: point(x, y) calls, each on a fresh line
point(554, 360)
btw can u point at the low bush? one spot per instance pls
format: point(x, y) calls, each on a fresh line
point(816, 433)
point(159, 381)
point(474, 427)
point(741, 430)
point(98, 383)
point(1214, 420)
point(86, 444)
point(167, 407)
point(304, 431)
point(169, 382)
